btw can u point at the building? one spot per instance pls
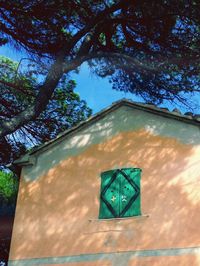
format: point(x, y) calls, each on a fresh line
point(61, 219)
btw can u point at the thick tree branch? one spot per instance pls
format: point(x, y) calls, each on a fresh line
point(43, 97)
point(127, 59)
point(96, 20)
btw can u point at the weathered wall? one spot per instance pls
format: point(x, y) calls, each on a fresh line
point(58, 200)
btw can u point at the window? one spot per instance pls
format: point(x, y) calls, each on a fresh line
point(120, 193)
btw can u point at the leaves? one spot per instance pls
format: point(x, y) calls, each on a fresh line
point(18, 90)
point(8, 187)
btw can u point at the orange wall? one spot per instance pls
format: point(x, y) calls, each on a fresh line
point(54, 211)
point(88, 263)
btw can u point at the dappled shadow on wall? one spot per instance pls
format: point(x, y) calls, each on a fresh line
point(121, 120)
point(54, 211)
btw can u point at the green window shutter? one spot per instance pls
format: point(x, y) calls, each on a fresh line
point(109, 207)
point(130, 192)
point(120, 193)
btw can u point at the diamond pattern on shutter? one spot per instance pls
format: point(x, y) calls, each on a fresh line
point(110, 194)
point(129, 192)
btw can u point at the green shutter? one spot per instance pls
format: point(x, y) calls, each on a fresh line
point(109, 207)
point(120, 193)
point(130, 192)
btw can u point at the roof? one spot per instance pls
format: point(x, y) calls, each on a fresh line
point(175, 114)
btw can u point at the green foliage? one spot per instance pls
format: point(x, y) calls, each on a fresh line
point(8, 187)
point(18, 89)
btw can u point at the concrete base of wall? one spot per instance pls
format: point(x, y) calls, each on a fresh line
point(160, 257)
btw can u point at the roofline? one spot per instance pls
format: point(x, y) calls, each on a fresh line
point(194, 120)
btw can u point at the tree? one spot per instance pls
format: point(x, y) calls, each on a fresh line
point(8, 189)
point(19, 89)
point(149, 48)
point(8, 193)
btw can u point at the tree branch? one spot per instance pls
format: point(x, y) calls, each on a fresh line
point(96, 20)
point(15, 87)
point(43, 97)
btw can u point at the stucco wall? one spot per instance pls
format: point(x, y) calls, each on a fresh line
point(58, 200)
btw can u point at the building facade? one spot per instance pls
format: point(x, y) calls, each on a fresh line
point(58, 219)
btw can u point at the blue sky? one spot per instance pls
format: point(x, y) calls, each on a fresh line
point(97, 92)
